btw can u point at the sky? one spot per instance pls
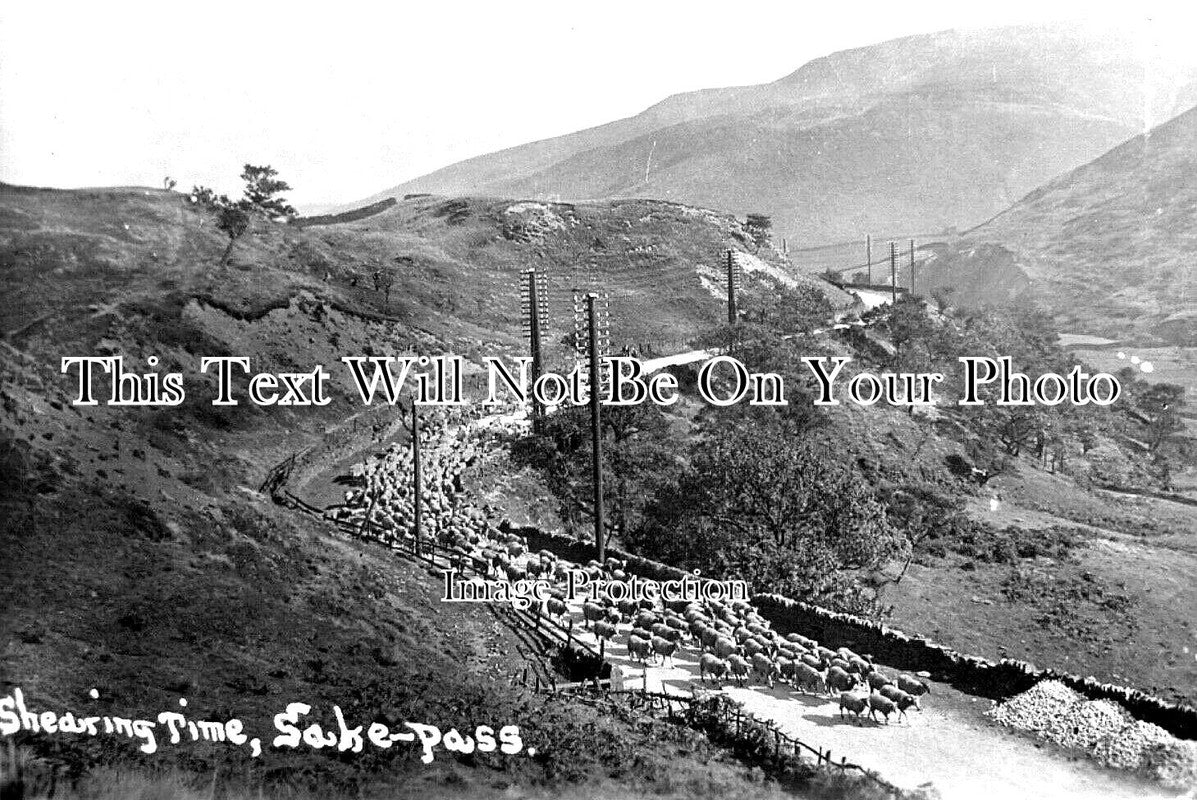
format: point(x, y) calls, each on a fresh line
point(346, 99)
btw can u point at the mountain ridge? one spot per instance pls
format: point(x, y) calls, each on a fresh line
point(985, 116)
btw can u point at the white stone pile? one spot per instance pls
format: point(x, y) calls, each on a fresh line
point(1125, 748)
point(1083, 724)
point(1102, 729)
point(1034, 709)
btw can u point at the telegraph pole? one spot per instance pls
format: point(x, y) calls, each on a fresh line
point(415, 460)
point(536, 307)
point(893, 273)
point(596, 427)
point(912, 267)
point(731, 289)
point(869, 256)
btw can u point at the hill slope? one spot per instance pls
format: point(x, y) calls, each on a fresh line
point(141, 560)
point(1108, 247)
point(915, 134)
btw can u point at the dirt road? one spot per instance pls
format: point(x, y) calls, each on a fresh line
point(950, 744)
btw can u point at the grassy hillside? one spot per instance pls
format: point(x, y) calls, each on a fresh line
point(921, 133)
point(1108, 246)
point(140, 559)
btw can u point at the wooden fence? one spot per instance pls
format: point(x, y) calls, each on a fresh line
point(691, 709)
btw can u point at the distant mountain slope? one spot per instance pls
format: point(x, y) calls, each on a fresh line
point(915, 134)
point(1109, 247)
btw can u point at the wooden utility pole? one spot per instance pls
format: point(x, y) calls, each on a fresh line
point(893, 272)
point(415, 461)
point(731, 289)
point(912, 266)
point(869, 256)
point(534, 324)
point(596, 428)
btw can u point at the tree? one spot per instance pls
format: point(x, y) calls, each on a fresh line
point(1160, 406)
point(260, 197)
point(233, 219)
point(261, 191)
point(780, 511)
point(907, 324)
point(759, 227)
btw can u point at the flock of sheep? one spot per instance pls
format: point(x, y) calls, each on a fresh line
point(730, 639)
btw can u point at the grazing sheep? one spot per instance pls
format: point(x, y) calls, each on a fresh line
point(664, 648)
point(712, 664)
point(839, 681)
point(763, 667)
point(741, 634)
point(857, 704)
point(557, 608)
point(882, 704)
point(739, 668)
point(913, 686)
point(842, 664)
point(627, 608)
point(805, 677)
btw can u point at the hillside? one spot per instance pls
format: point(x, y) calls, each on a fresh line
point(916, 134)
point(1107, 247)
point(141, 559)
point(176, 576)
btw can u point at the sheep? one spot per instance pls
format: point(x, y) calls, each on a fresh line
point(764, 667)
point(842, 664)
point(740, 634)
point(592, 612)
point(883, 704)
point(913, 686)
point(857, 704)
point(860, 666)
point(876, 680)
point(712, 664)
point(642, 633)
point(646, 619)
point(627, 608)
point(752, 647)
point(804, 676)
point(739, 668)
point(639, 649)
point(811, 661)
point(900, 698)
point(839, 681)
point(798, 639)
point(557, 608)
point(603, 629)
point(724, 647)
point(664, 648)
